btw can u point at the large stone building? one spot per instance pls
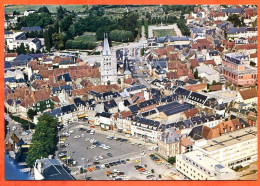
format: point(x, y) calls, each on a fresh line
point(108, 65)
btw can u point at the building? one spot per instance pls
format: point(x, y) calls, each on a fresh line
point(168, 143)
point(196, 165)
point(108, 65)
point(34, 44)
point(232, 149)
point(145, 128)
point(27, 12)
point(50, 169)
point(248, 96)
point(237, 72)
point(209, 73)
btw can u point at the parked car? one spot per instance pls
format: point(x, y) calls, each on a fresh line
point(109, 154)
point(92, 132)
point(77, 136)
point(95, 158)
point(107, 166)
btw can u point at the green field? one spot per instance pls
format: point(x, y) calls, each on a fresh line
point(164, 32)
point(52, 8)
point(86, 38)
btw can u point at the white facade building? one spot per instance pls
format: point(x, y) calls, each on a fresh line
point(232, 149)
point(196, 165)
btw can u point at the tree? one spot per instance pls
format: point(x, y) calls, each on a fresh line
point(61, 12)
point(253, 64)
point(234, 19)
point(214, 82)
point(44, 140)
point(57, 40)
point(44, 9)
point(31, 113)
point(6, 17)
point(172, 160)
point(196, 74)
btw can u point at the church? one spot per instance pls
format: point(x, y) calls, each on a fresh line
point(108, 64)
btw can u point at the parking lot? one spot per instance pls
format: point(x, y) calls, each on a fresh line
point(80, 148)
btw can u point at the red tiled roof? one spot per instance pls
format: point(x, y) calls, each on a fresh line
point(186, 142)
point(246, 47)
point(196, 87)
point(215, 87)
point(210, 62)
point(248, 94)
point(125, 114)
point(11, 54)
point(194, 62)
point(191, 112)
point(222, 128)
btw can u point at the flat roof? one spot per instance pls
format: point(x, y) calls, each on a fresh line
point(206, 162)
point(230, 138)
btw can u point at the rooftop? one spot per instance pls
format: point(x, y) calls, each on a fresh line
point(229, 139)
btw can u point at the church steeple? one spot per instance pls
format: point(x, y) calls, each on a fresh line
point(106, 48)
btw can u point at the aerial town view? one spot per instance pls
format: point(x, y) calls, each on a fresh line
point(130, 92)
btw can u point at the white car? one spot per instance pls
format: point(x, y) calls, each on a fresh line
point(109, 137)
point(61, 142)
point(145, 172)
point(14, 128)
point(77, 136)
point(96, 158)
point(82, 135)
point(101, 157)
point(70, 131)
point(92, 132)
point(102, 166)
point(92, 146)
point(87, 139)
point(114, 138)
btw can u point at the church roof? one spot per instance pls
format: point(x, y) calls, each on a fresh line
point(106, 49)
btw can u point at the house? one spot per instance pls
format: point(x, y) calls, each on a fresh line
point(34, 44)
point(145, 128)
point(106, 121)
point(32, 29)
point(248, 96)
point(124, 121)
point(168, 143)
point(69, 114)
point(237, 32)
point(50, 169)
point(27, 12)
